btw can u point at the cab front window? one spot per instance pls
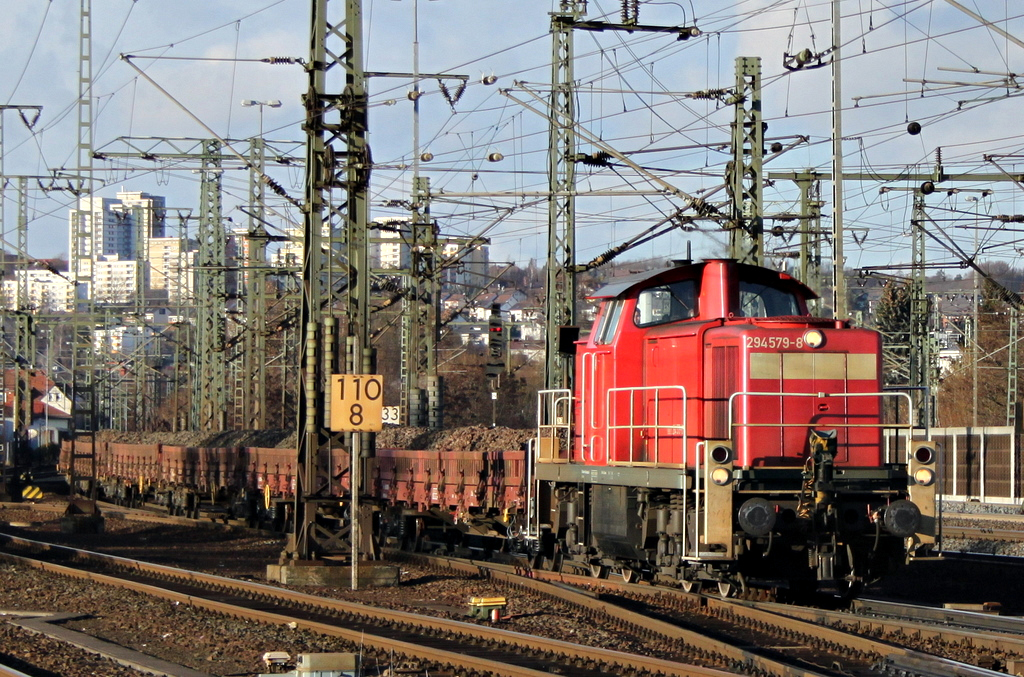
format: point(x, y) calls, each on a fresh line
point(666, 303)
point(759, 300)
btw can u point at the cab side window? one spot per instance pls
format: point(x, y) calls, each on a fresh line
point(608, 322)
point(666, 303)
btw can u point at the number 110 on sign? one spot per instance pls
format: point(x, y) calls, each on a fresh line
point(356, 402)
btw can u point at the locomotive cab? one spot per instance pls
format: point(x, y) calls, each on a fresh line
point(719, 432)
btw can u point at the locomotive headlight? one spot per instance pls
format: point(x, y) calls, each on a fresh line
point(721, 476)
point(924, 476)
point(813, 338)
point(721, 454)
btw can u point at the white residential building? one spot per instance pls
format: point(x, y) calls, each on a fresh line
point(47, 291)
point(469, 272)
point(169, 268)
point(289, 254)
point(121, 339)
point(99, 227)
point(114, 280)
point(389, 244)
point(148, 213)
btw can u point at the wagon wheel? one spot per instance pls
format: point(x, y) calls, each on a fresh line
point(630, 575)
point(690, 586)
point(727, 589)
point(598, 571)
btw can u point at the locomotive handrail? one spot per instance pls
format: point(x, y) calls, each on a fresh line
point(748, 393)
point(611, 404)
point(558, 414)
point(588, 385)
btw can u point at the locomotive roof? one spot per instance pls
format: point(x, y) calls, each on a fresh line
point(623, 284)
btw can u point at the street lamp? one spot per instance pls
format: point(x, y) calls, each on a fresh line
point(273, 103)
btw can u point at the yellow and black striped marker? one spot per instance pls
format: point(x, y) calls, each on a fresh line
point(31, 493)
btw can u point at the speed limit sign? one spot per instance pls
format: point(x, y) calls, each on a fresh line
point(356, 402)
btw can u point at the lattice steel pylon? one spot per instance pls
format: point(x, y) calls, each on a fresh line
point(1011, 368)
point(209, 383)
point(810, 235)
point(560, 306)
point(83, 237)
point(254, 279)
point(920, 334)
point(25, 342)
point(335, 257)
point(423, 313)
point(744, 178)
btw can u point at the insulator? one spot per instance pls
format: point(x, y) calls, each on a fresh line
point(598, 159)
point(277, 60)
point(804, 56)
point(776, 147)
point(927, 188)
point(914, 128)
point(414, 94)
point(495, 157)
point(426, 157)
point(489, 79)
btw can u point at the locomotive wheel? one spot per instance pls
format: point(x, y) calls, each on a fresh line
point(630, 575)
point(690, 586)
point(848, 590)
point(598, 571)
point(727, 589)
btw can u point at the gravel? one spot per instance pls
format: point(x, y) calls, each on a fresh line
point(224, 646)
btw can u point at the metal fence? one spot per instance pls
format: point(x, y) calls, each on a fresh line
point(975, 464)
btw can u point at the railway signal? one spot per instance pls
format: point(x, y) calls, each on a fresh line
point(495, 343)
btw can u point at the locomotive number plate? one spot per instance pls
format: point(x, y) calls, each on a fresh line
point(773, 342)
point(356, 402)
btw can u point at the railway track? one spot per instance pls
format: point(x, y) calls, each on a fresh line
point(465, 648)
point(744, 633)
point(720, 633)
point(978, 533)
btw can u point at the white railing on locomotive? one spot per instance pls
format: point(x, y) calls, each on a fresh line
point(554, 426)
point(589, 413)
point(906, 428)
point(922, 410)
point(675, 429)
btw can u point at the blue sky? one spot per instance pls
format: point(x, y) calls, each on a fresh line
point(633, 95)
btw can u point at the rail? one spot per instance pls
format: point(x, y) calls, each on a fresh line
point(518, 647)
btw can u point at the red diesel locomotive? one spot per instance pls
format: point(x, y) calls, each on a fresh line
point(719, 434)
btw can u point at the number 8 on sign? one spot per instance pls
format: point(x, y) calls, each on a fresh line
point(356, 402)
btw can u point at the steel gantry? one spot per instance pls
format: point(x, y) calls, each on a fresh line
point(560, 305)
point(334, 258)
point(216, 156)
point(209, 384)
point(744, 178)
point(921, 373)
